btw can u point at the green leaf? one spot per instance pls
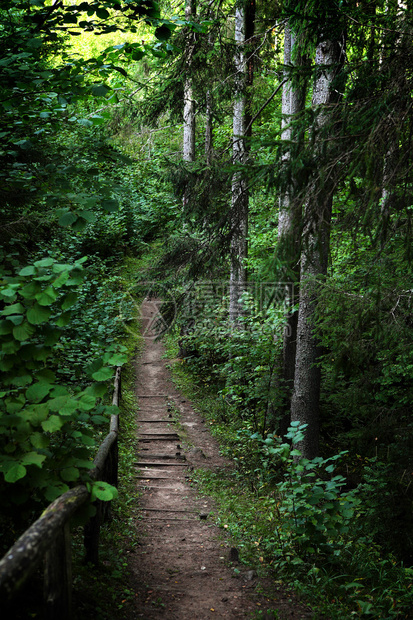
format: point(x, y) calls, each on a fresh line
point(69, 300)
point(39, 441)
point(118, 359)
point(102, 13)
point(46, 375)
point(104, 491)
point(36, 392)
point(70, 474)
point(54, 491)
point(53, 424)
point(86, 402)
point(111, 206)
point(163, 33)
point(31, 290)
point(38, 314)
point(103, 374)
point(45, 262)
point(47, 297)
point(100, 90)
point(30, 270)
point(61, 279)
point(63, 319)
point(67, 219)
point(23, 332)
point(97, 389)
point(65, 405)
point(13, 309)
point(14, 472)
point(33, 458)
point(89, 216)
point(5, 327)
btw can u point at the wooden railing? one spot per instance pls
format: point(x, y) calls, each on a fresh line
point(48, 538)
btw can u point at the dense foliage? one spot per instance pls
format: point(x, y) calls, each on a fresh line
point(91, 166)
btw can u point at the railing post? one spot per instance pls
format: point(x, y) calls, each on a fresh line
point(91, 535)
point(58, 577)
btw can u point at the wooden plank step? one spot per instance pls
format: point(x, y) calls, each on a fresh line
point(187, 512)
point(166, 465)
point(169, 421)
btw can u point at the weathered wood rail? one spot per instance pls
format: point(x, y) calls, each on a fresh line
point(48, 538)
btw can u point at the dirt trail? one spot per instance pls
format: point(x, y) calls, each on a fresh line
point(181, 569)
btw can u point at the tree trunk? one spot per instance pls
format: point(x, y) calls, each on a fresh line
point(244, 29)
point(189, 103)
point(289, 220)
point(314, 257)
point(208, 129)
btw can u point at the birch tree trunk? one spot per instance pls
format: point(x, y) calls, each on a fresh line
point(314, 257)
point(189, 103)
point(289, 219)
point(208, 129)
point(240, 199)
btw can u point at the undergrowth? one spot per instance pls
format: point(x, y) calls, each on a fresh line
point(297, 519)
point(104, 591)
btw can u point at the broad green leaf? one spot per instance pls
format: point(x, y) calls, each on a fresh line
point(86, 402)
point(87, 440)
point(14, 472)
point(21, 380)
point(111, 205)
point(38, 314)
point(33, 458)
point(163, 33)
point(46, 375)
point(53, 424)
point(69, 474)
point(61, 279)
point(47, 297)
point(9, 347)
point(100, 90)
point(103, 374)
point(31, 290)
point(102, 13)
point(69, 300)
point(89, 216)
point(118, 359)
point(97, 389)
point(54, 491)
point(45, 262)
point(36, 392)
point(63, 319)
point(23, 332)
point(30, 270)
point(13, 309)
point(39, 441)
point(65, 405)
point(5, 327)
point(103, 491)
point(67, 219)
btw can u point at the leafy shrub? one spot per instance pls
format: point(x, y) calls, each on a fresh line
point(46, 428)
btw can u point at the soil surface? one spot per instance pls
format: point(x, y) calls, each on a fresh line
point(183, 568)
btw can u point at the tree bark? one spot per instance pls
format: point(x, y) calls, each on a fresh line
point(289, 219)
point(244, 30)
point(314, 256)
point(189, 103)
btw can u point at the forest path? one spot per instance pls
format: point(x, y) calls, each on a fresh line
point(181, 569)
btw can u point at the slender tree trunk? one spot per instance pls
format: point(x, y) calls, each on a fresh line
point(189, 103)
point(208, 129)
point(244, 28)
point(289, 220)
point(314, 257)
